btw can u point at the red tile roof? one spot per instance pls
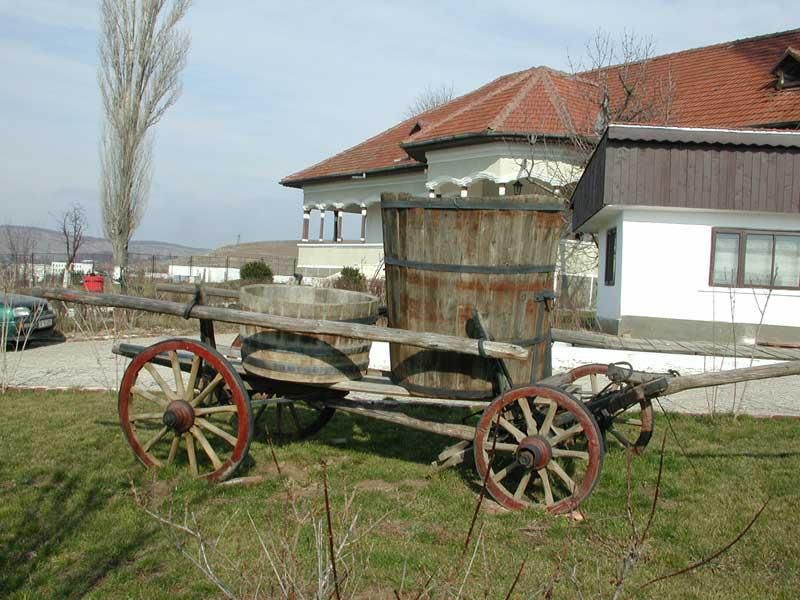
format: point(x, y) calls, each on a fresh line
point(724, 85)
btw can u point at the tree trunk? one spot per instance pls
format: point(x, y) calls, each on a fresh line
point(120, 248)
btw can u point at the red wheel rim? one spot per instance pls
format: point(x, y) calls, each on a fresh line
point(581, 421)
point(237, 439)
point(645, 407)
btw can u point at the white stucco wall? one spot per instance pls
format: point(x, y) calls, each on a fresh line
point(609, 296)
point(665, 260)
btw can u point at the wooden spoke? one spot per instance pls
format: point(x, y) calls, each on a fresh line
point(203, 441)
point(559, 453)
point(208, 426)
point(504, 447)
point(552, 407)
point(176, 372)
point(173, 449)
point(161, 433)
point(548, 490)
point(209, 410)
point(595, 385)
point(619, 437)
point(501, 474)
point(529, 420)
point(523, 485)
point(159, 380)
point(206, 391)
point(295, 417)
point(146, 417)
point(566, 434)
point(190, 453)
point(634, 422)
point(192, 378)
point(511, 428)
point(137, 391)
point(562, 474)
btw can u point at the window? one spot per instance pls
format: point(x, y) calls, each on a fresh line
point(611, 255)
point(757, 259)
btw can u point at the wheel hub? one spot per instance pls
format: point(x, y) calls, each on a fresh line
point(179, 416)
point(534, 452)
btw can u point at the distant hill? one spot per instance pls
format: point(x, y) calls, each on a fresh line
point(259, 249)
point(49, 241)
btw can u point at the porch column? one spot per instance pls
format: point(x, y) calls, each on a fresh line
point(322, 224)
point(464, 191)
point(306, 221)
point(337, 223)
point(431, 194)
point(501, 189)
point(363, 223)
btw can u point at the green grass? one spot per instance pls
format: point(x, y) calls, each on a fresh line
point(70, 528)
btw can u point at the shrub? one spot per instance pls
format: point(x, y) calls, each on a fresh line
point(256, 271)
point(351, 279)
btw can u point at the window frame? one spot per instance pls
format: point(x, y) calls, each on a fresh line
point(743, 233)
point(611, 253)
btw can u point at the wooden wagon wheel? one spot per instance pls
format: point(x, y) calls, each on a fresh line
point(292, 419)
point(630, 429)
point(171, 416)
point(548, 449)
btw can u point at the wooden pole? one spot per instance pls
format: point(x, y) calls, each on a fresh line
point(701, 380)
point(180, 288)
point(432, 341)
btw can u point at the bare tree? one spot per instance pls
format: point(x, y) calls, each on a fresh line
point(142, 54)
point(73, 228)
point(430, 98)
point(624, 87)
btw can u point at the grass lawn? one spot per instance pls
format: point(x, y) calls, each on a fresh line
point(70, 527)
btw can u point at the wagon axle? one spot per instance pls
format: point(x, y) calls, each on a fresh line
point(534, 452)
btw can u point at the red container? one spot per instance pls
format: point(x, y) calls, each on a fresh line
point(93, 283)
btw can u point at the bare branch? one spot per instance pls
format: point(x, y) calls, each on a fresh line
point(430, 98)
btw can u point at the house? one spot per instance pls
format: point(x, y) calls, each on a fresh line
point(518, 134)
point(698, 232)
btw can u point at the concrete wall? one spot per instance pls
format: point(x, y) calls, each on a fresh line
point(317, 259)
point(663, 265)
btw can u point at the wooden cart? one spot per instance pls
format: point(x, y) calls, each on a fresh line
point(535, 444)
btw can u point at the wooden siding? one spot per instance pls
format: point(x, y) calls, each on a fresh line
point(588, 196)
point(702, 176)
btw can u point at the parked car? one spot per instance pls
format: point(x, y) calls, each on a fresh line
point(25, 318)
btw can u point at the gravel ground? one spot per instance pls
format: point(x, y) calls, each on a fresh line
point(90, 364)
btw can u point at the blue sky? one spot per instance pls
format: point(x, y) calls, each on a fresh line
point(272, 87)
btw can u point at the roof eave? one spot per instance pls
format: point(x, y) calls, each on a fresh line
point(418, 149)
point(301, 181)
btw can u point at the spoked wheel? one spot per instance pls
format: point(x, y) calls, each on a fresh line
point(291, 420)
point(548, 449)
point(182, 414)
point(631, 427)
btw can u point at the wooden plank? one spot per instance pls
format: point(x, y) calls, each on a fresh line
point(431, 341)
point(592, 339)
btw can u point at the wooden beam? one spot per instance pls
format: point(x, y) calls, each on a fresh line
point(181, 288)
point(432, 341)
point(701, 380)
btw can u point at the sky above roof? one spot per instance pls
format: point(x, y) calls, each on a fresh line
point(273, 87)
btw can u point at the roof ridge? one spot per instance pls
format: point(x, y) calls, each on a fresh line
point(477, 100)
point(500, 117)
point(753, 38)
point(559, 104)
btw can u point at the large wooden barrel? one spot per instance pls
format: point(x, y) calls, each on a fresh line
point(305, 357)
point(448, 257)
